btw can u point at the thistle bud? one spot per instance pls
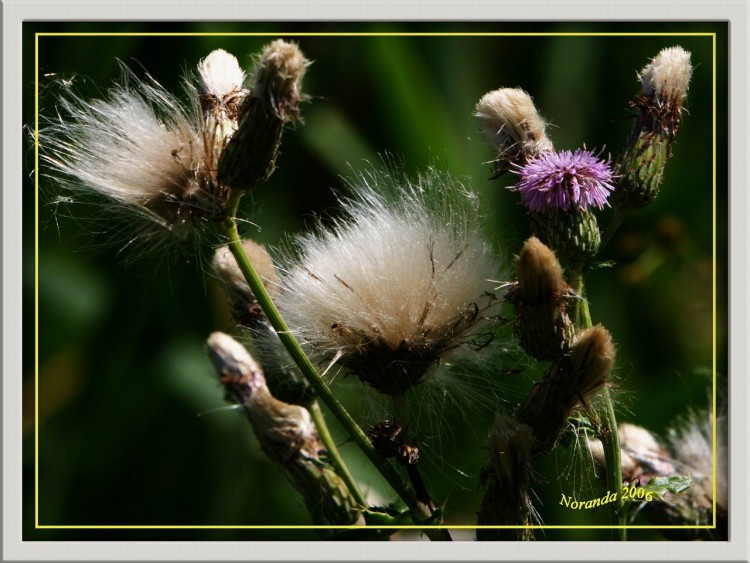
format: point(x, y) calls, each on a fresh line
point(592, 356)
point(658, 109)
point(512, 125)
point(245, 308)
point(570, 380)
point(285, 432)
point(222, 93)
point(540, 297)
point(505, 479)
point(574, 235)
point(250, 157)
point(283, 378)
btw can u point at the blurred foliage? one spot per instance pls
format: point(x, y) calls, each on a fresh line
point(123, 380)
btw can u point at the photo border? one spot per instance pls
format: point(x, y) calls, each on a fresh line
point(10, 258)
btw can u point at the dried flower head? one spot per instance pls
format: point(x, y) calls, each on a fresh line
point(691, 441)
point(512, 125)
point(686, 454)
point(591, 360)
point(540, 296)
point(145, 151)
point(564, 180)
point(667, 76)
point(642, 456)
point(221, 75)
point(398, 284)
point(658, 116)
point(276, 95)
point(222, 94)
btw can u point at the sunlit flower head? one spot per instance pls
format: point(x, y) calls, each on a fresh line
point(564, 180)
point(144, 154)
point(396, 286)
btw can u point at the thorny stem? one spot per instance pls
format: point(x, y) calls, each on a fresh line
point(419, 510)
point(608, 429)
point(333, 453)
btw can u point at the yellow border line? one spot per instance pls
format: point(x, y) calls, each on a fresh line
point(374, 34)
point(351, 34)
point(36, 282)
point(713, 288)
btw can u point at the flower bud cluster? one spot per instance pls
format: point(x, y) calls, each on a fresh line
point(284, 379)
point(286, 433)
point(169, 166)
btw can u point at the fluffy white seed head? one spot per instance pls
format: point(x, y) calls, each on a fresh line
point(278, 78)
point(400, 282)
point(512, 125)
point(668, 74)
point(138, 152)
point(221, 74)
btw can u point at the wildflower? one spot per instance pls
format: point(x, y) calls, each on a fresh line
point(560, 190)
point(400, 283)
point(513, 127)
point(658, 109)
point(148, 154)
point(564, 180)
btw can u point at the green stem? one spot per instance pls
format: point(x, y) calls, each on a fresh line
point(608, 433)
point(419, 510)
point(333, 453)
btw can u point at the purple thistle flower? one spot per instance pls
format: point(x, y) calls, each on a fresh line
point(564, 180)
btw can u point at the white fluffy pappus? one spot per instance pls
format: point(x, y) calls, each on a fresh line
point(138, 153)
point(691, 441)
point(396, 285)
point(668, 74)
point(511, 123)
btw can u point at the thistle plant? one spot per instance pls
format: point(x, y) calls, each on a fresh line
point(398, 291)
point(561, 191)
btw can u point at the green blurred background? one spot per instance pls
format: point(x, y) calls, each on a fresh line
point(122, 373)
